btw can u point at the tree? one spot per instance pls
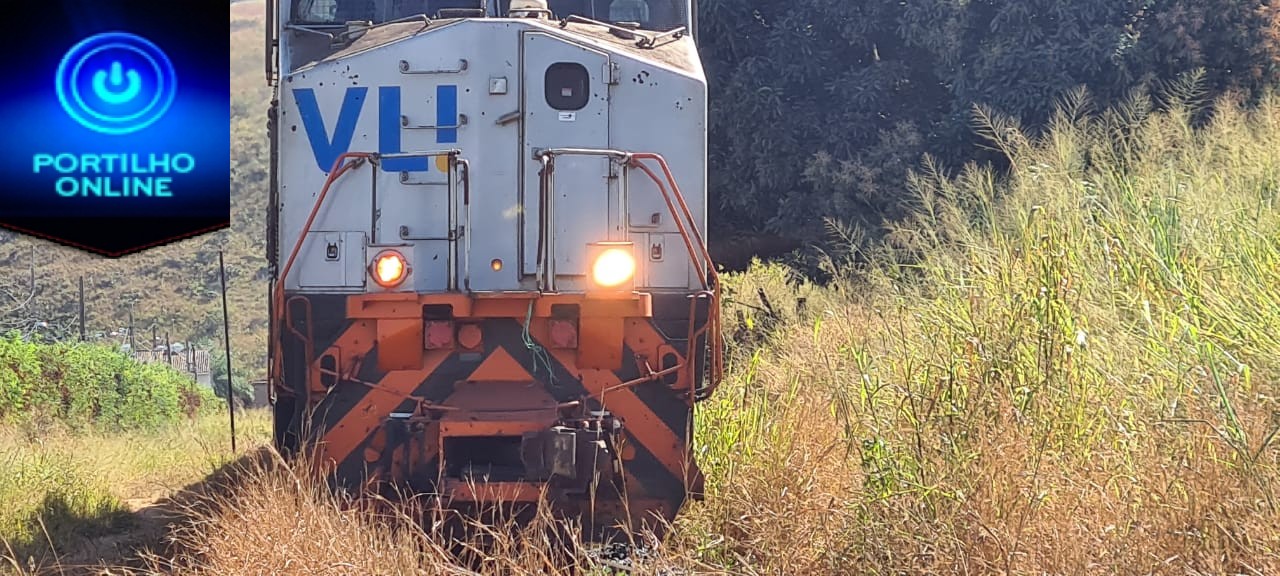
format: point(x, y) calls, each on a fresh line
point(819, 108)
point(806, 93)
point(1236, 42)
point(242, 390)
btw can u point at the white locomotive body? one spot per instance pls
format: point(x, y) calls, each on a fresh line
point(487, 242)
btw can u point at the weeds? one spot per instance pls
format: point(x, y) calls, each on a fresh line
point(1069, 370)
point(70, 495)
point(1072, 370)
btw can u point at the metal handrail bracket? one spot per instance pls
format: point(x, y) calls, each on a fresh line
point(462, 67)
point(404, 123)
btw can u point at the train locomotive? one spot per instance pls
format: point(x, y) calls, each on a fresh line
point(489, 275)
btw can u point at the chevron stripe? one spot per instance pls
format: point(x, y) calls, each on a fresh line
point(349, 419)
point(357, 424)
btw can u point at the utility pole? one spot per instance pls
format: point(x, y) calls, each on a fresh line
point(82, 309)
point(133, 349)
point(226, 335)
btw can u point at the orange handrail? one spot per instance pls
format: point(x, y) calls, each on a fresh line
point(706, 275)
point(340, 167)
point(709, 277)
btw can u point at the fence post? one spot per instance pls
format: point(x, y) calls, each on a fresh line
point(226, 334)
point(82, 338)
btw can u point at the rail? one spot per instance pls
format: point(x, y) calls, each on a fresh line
point(699, 256)
point(466, 226)
point(546, 204)
point(406, 68)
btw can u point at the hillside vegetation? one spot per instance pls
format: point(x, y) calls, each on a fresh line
point(821, 107)
point(1071, 370)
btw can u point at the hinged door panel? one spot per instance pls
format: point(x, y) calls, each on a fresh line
point(566, 105)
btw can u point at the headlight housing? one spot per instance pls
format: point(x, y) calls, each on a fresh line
point(613, 266)
point(389, 269)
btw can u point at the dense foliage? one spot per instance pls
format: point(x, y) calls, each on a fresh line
point(81, 385)
point(819, 108)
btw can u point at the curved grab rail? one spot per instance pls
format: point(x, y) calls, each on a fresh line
point(340, 167)
point(703, 265)
point(699, 256)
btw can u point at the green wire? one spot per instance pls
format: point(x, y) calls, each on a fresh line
point(538, 352)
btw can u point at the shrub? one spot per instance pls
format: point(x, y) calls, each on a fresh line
point(78, 385)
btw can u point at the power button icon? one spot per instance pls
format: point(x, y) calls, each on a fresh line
point(115, 83)
point(109, 95)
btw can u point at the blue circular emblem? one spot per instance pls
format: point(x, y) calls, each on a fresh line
point(116, 83)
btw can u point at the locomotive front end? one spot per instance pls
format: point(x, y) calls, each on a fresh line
point(490, 277)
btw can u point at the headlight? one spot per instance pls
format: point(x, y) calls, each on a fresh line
point(389, 269)
point(613, 267)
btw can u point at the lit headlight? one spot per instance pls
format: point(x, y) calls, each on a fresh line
point(613, 267)
point(389, 269)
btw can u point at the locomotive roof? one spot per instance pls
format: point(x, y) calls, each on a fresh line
point(667, 51)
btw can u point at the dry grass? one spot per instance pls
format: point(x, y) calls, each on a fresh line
point(73, 499)
point(1074, 371)
point(272, 518)
point(1071, 371)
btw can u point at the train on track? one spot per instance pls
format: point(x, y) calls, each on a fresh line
point(490, 278)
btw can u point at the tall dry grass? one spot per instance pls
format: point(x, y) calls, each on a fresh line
point(1071, 370)
point(269, 516)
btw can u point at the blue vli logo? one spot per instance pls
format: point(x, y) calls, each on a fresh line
point(116, 83)
point(327, 146)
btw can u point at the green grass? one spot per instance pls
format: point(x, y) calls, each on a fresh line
point(51, 499)
point(65, 491)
